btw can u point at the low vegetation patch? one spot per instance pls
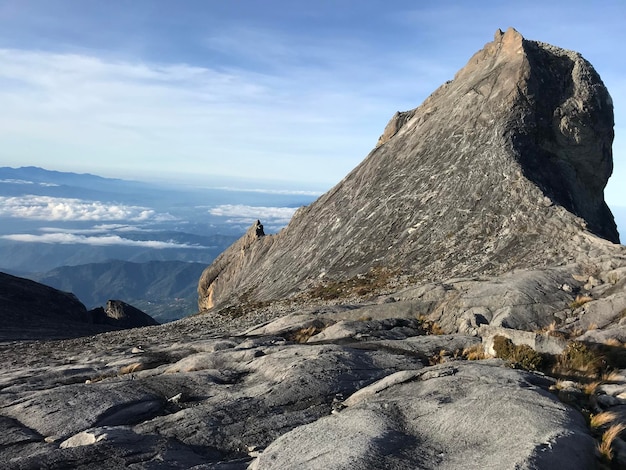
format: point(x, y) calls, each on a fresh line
point(475, 353)
point(242, 308)
point(581, 368)
point(579, 360)
point(360, 285)
point(521, 355)
point(429, 326)
point(579, 301)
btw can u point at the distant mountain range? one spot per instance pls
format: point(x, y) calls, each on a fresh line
point(144, 243)
point(166, 290)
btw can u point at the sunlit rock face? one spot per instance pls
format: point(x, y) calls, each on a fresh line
point(503, 167)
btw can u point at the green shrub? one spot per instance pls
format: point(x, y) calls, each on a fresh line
point(521, 355)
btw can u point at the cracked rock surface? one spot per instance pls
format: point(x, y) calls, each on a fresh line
point(262, 401)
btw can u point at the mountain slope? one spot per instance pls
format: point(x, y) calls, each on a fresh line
point(501, 168)
point(161, 288)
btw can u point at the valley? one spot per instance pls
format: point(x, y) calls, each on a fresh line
point(144, 243)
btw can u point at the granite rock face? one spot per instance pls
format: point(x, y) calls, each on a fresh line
point(173, 396)
point(501, 168)
point(29, 310)
point(356, 385)
point(433, 419)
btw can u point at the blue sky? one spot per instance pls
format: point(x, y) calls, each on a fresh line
point(284, 90)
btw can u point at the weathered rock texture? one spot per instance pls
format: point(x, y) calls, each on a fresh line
point(366, 398)
point(327, 386)
point(503, 167)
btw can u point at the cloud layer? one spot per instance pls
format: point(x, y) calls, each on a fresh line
point(244, 213)
point(68, 209)
point(13, 181)
point(302, 122)
point(106, 240)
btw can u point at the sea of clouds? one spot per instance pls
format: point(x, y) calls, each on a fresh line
point(241, 213)
point(68, 209)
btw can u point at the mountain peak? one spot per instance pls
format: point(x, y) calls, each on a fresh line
point(501, 168)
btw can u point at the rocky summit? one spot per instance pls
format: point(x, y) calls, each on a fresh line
point(501, 168)
point(458, 301)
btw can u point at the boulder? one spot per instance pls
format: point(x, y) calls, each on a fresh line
point(121, 315)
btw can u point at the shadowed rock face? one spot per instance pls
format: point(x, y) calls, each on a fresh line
point(501, 168)
point(33, 311)
point(122, 315)
point(29, 310)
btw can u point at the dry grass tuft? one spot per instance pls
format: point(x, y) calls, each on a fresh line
point(548, 328)
point(591, 388)
point(611, 376)
point(439, 358)
point(576, 332)
point(475, 352)
point(558, 385)
point(605, 447)
point(602, 419)
point(303, 334)
point(614, 342)
point(579, 301)
point(131, 368)
point(430, 327)
point(552, 330)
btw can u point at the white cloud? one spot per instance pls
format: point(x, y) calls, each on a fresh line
point(68, 209)
point(101, 228)
point(12, 181)
point(108, 240)
point(287, 192)
point(243, 213)
point(132, 116)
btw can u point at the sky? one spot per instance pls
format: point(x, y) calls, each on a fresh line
point(283, 90)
